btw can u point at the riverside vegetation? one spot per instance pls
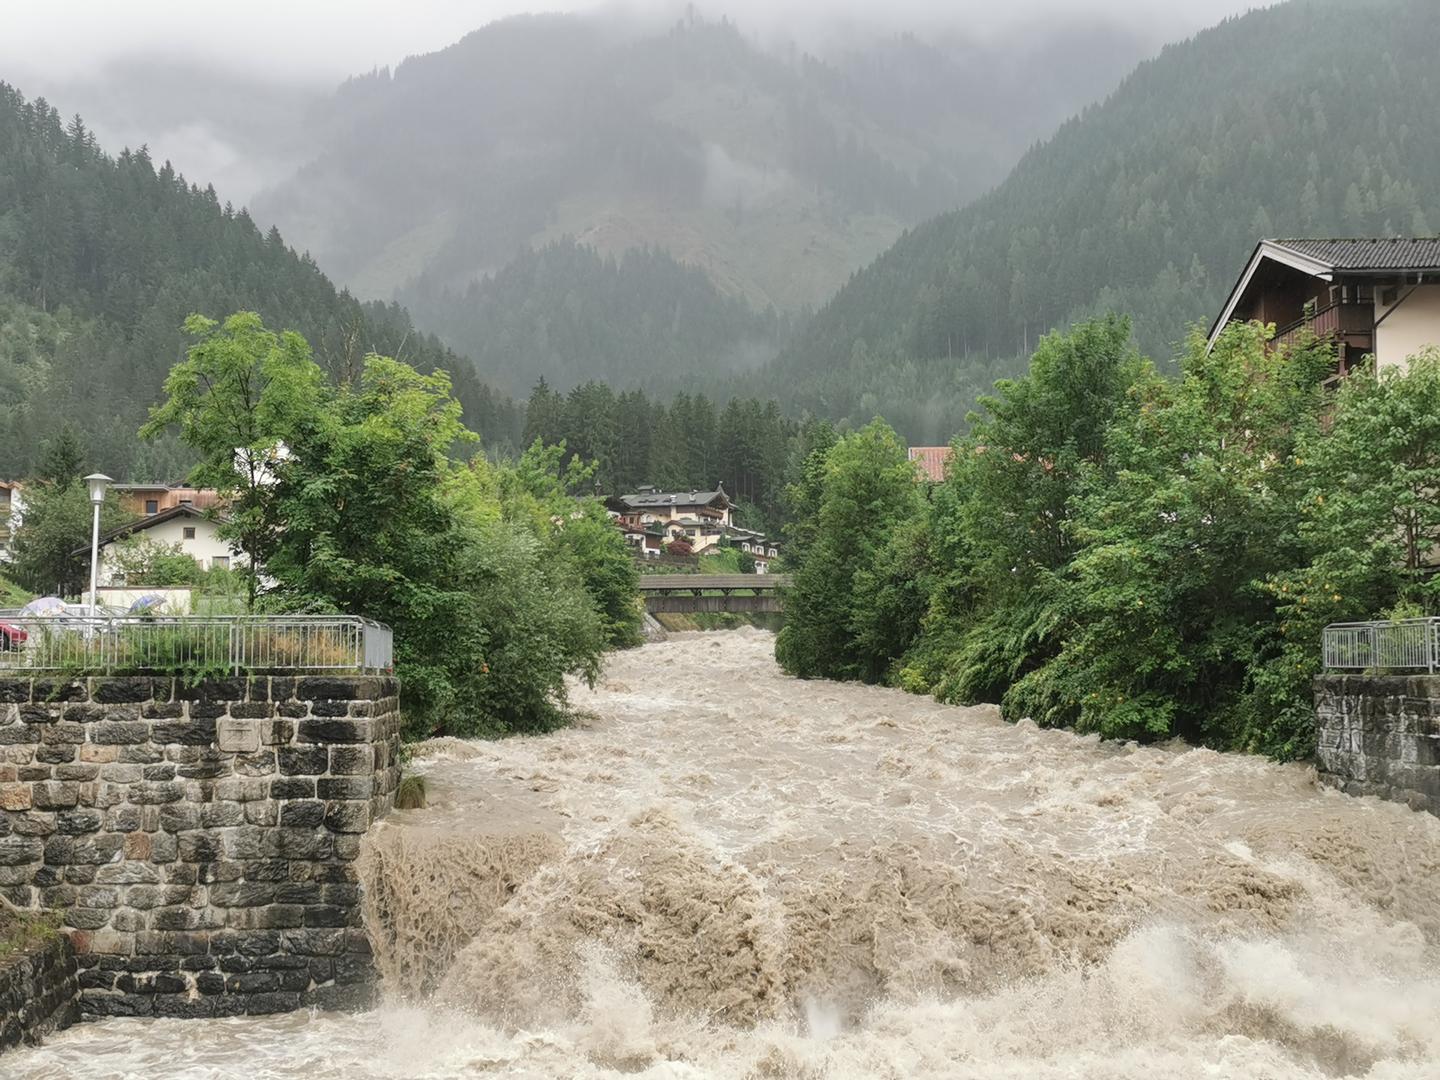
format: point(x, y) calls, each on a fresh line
point(367, 497)
point(1120, 552)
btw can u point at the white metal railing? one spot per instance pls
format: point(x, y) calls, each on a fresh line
point(1398, 644)
point(190, 643)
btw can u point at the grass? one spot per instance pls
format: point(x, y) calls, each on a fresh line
point(12, 595)
point(22, 931)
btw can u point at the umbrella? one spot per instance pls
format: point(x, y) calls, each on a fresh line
point(44, 605)
point(148, 602)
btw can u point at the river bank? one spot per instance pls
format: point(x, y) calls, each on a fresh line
point(726, 872)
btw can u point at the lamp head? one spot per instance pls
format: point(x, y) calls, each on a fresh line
point(97, 483)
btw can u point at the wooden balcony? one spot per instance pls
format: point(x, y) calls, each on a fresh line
point(1350, 324)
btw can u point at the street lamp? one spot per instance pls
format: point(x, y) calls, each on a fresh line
point(97, 483)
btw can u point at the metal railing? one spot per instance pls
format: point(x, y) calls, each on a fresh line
point(108, 644)
point(1398, 644)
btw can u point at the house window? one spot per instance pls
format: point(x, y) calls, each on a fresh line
point(220, 562)
point(189, 532)
point(152, 506)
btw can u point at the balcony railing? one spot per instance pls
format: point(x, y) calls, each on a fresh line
point(1329, 321)
point(1393, 645)
point(237, 644)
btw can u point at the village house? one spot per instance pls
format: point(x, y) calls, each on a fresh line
point(1378, 296)
point(197, 534)
point(763, 549)
point(650, 516)
point(147, 500)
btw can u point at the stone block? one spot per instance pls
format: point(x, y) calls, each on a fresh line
point(77, 822)
point(20, 850)
point(60, 690)
point(292, 787)
point(238, 736)
point(100, 755)
point(54, 755)
point(15, 796)
point(63, 732)
point(121, 689)
point(352, 760)
point(253, 765)
point(82, 773)
point(348, 817)
point(277, 732)
point(119, 732)
point(303, 760)
point(41, 713)
point(197, 731)
point(14, 690)
point(334, 730)
point(304, 813)
point(55, 794)
point(150, 793)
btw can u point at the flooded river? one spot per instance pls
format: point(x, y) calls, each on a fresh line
point(723, 872)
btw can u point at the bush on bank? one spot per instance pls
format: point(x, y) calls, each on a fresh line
point(1124, 553)
point(365, 497)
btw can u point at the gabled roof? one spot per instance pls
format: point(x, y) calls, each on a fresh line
point(932, 460)
point(1410, 253)
point(645, 500)
point(183, 510)
point(1324, 258)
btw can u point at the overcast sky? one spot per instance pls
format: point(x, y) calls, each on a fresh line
point(325, 40)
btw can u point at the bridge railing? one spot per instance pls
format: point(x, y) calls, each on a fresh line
point(1392, 644)
point(105, 644)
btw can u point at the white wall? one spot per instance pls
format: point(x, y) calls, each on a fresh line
point(1410, 324)
point(205, 547)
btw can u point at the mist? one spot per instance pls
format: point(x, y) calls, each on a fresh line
point(225, 97)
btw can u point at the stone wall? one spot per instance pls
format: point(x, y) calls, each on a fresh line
point(198, 842)
point(1380, 735)
point(38, 992)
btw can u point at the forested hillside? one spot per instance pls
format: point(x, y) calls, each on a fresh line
point(102, 258)
point(569, 315)
point(775, 172)
point(1147, 204)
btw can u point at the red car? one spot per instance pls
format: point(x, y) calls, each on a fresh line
point(11, 637)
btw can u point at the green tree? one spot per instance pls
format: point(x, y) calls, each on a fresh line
point(1163, 613)
point(237, 399)
point(138, 560)
point(867, 489)
point(1368, 520)
point(52, 544)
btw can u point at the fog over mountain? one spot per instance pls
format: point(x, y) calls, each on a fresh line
point(222, 105)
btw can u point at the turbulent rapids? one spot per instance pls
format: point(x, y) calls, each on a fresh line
point(724, 872)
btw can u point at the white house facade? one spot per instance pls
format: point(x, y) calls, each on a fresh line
point(194, 533)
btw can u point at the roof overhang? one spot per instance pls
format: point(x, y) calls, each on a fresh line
point(1266, 249)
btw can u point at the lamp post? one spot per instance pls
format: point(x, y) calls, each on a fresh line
point(97, 483)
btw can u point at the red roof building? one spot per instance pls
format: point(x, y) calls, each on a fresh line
point(931, 461)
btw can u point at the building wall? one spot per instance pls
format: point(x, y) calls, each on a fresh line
point(39, 992)
point(12, 510)
point(1409, 326)
point(205, 548)
point(199, 843)
point(1380, 735)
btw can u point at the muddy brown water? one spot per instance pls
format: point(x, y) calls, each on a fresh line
point(724, 872)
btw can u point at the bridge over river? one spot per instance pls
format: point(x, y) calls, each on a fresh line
point(691, 593)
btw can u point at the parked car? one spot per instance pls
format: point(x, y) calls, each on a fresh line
point(11, 636)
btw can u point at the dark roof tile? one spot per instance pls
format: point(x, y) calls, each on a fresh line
point(1393, 253)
